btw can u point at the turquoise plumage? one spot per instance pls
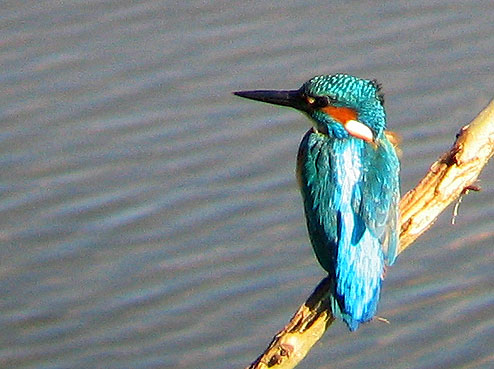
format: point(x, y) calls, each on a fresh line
point(348, 174)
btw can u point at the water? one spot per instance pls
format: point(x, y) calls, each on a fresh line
point(150, 219)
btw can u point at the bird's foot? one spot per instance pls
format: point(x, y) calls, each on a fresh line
point(383, 274)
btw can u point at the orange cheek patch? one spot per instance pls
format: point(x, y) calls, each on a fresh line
point(341, 115)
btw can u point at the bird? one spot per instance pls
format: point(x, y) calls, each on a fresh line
point(348, 174)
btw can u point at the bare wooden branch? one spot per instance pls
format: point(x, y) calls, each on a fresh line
point(451, 176)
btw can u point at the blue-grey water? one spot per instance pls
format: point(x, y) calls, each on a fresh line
point(150, 219)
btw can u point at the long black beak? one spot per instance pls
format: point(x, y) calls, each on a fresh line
point(292, 98)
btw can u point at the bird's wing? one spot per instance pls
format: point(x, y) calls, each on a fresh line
point(378, 202)
point(314, 172)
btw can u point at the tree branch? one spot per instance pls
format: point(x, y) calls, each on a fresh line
point(448, 178)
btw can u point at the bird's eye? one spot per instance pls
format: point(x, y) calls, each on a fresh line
point(322, 101)
point(317, 102)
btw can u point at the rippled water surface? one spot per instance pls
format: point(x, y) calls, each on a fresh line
point(150, 219)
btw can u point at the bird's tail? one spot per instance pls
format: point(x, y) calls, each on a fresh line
point(351, 316)
point(357, 279)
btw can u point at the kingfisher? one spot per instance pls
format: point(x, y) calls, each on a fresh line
point(348, 174)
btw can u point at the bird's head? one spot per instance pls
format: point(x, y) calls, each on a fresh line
point(340, 105)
